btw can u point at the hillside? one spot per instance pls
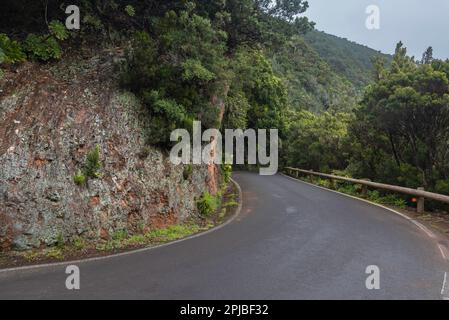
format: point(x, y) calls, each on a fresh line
point(311, 82)
point(347, 58)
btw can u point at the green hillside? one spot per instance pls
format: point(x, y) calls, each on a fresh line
point(347, 58)
point(311, 82)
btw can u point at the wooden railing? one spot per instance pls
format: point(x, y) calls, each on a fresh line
point(420, 193)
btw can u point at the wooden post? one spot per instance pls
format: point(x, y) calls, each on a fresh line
point(364, 191)
point(420, 205)
point(332, 184)
point(311, 177)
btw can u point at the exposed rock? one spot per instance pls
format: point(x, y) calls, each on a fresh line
point(48, 124)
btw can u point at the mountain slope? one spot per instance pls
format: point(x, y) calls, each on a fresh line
point(346, 58)
point(312, 84)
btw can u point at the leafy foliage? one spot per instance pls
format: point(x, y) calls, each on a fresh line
point(58, 30)
point(407, 110)
point(93, 164)
point(207, 204)
point(91, 167)
point(42, 47)
point(318, 141)
point(10, 50)
point(130, 10)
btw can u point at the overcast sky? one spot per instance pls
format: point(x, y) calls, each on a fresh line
point(418, 23)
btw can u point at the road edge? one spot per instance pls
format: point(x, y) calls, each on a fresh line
point(429, 233)
point(422, 227)
point(122, 254)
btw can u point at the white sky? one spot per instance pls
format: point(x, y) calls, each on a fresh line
point(417, 23)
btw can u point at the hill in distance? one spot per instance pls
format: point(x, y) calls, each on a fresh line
point(346, 58)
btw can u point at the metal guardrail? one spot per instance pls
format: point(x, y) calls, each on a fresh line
point(420, 193)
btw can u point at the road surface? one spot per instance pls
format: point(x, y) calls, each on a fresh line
point(291, 241)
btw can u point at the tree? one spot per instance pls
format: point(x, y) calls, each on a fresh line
point(408, 110)
point(427, 57)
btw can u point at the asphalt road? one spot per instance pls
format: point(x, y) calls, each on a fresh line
point(291, 241)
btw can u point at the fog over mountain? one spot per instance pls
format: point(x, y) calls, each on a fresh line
point(417, 23)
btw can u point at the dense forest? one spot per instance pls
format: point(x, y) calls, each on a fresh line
point(338, 105)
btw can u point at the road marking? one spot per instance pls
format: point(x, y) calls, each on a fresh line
point(445, 289)
point(67, 263)
point(443, 252)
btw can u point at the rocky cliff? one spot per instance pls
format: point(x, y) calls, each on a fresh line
point(51, 116)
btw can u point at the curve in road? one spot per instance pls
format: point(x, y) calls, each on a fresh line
point(291, 241)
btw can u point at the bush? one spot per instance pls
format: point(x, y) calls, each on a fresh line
point(42, 48)
point(91, 167)
point(120, 235)
point(188, 170)
point(10, 51)
point(174, 72)
point(58, 30)
point(226, 171)
point(80, 178)
point(130, 11)
point(93, 164)
point(207, 204)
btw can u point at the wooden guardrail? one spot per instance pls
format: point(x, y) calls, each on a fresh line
point(420, 193)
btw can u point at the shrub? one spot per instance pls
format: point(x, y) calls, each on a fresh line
point(226, 171)
point(60, 242)
point(120, 235)
point(10, 51)
point(91, 167)
point(207, 204)
point(188, 170)
point(130, 11)
point(93, 164)
point(42, 48)
point(79, 178)
point(79, 244)
point(58, 30)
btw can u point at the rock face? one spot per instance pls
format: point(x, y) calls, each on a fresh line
point(50, 118)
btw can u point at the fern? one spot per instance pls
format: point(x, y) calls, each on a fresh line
point(58, 30)
point(42, 47)
point(10, 51)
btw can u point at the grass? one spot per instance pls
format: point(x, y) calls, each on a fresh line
point(55, 253)
point(136, 240)
point(79, 244)
point(231, 203)
point(172, 233)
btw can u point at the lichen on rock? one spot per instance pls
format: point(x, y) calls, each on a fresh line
point(48, 124)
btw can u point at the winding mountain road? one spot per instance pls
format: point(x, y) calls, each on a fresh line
point(290, 241)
